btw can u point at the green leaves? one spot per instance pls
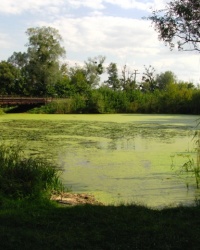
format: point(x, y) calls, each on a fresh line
point(44, 51)
point(179, 24)
point(11, 79)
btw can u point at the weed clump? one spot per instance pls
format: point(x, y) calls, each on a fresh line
point(26, 177)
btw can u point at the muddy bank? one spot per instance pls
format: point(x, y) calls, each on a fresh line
point(75, 199)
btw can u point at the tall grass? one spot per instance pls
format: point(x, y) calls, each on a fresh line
point(191, 168)
point(26, 177)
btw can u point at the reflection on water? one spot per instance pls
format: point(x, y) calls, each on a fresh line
point(118, 158)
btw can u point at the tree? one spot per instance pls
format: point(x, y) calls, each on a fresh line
point(148, 79)
point(78, 81)
point(179, 23)
point(19, 59)
point(44, 51)
point(94, 68)
point(165, 79)
point(11, 80)
point(128, 80)
point(113, 79)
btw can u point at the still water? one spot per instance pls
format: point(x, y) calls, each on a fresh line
point(118, 158)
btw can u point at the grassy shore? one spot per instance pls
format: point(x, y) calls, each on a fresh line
point(45, 225)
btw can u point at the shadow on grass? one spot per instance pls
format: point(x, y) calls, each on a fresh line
point(98, 227)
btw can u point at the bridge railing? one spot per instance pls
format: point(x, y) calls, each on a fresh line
point(24, 100)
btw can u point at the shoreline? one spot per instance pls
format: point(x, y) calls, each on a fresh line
point(73, 199)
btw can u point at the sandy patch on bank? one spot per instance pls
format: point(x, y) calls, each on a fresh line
point(75, 199)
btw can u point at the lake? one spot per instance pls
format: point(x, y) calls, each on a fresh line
point(118, 158)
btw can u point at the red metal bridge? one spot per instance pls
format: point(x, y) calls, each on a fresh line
point(10, 100)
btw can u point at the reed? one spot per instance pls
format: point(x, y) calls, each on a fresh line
point(26, 177)
point(191, 167)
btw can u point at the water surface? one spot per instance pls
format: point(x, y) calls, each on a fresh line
point(118, 158)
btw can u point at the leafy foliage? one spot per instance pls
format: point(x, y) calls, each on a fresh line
point(11, 80)
point(113, 78)
point(40, 64)
point(93, 69)
point(179, 24)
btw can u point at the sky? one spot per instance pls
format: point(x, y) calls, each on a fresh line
point(115, 29)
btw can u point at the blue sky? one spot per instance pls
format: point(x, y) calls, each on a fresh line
point(111, 28)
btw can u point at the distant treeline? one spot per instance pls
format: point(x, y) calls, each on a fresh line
point(39, 72)
point(177, 99)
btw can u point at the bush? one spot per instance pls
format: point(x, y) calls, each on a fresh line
point(22, 177)
point(59, 106)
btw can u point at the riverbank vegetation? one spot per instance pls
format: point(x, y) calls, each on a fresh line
point(191, 167)
point(26, 177)
point(177, 99)
point(94, 87)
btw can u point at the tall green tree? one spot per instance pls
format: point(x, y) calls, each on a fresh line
point(11, 80)
point(128, 79)
point(149, 79)
point(165, 79)
point(94, 69)
point(113, 78)
point(78, 81)
point(179, 23)
point(19, 60)
point(44, 52)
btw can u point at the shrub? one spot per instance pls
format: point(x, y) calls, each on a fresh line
point(78, 104)
point(22, 177)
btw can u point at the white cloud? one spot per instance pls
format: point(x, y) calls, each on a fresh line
point(183, 64)
point(19, 6)
point(125, 4)
point(112, 35)
point(92, 4)
point(131, 4)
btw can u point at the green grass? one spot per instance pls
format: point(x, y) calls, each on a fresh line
point(47, 226)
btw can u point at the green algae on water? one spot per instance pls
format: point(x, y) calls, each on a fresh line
point(118, 158)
